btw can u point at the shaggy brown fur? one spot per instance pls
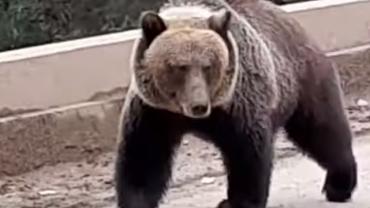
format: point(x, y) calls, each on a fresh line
point(232, 73)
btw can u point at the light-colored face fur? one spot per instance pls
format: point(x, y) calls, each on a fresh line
point(183, 64)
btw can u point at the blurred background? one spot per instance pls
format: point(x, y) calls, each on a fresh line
point(33, 22)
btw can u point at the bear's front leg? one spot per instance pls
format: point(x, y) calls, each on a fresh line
point(246, 145)
point(144, 160)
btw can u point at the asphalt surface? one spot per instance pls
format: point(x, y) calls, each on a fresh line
point(296, 183)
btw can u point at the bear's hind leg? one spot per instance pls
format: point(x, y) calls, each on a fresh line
point(320, 128)
point(144, 160)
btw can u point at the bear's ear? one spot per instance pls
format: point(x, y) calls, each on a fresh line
point(220, 22)
point(152, 25)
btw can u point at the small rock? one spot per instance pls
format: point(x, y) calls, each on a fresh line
point(208, 180)
point(108, 182)
point(47, 192)
point(361, 102)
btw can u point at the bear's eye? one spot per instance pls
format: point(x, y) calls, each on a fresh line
point(172, 94)
point(182, 68)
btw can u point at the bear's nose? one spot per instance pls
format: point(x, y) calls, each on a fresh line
point(199, 110)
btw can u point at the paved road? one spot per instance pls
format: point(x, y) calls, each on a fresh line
point(296, 183)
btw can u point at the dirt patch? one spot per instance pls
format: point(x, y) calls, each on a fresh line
point(89, 183)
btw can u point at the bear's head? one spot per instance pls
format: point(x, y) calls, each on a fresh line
point(186, 68)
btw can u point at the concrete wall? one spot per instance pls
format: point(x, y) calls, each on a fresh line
point(60, 102)
point(75, 71)
point(335, 24)
point(64, 73)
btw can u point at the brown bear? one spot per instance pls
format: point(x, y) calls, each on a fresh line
point(232, 72)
